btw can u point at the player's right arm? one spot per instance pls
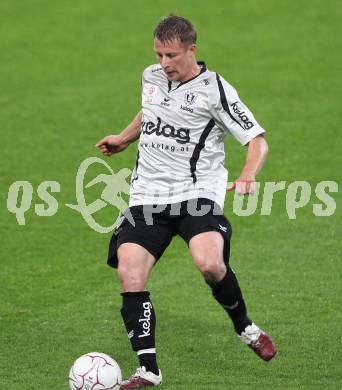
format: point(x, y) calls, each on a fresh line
point(117, 143)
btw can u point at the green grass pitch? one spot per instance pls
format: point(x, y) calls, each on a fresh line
point(70, 74)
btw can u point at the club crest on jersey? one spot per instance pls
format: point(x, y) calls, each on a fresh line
point(189, 100)
point(242, 115)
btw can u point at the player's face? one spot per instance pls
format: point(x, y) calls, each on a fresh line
point(178, 61)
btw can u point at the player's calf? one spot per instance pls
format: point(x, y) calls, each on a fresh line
point(140, 321)
point(228, 294)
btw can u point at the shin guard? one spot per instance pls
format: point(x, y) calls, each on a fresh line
point(139, 318)
point(228, 294)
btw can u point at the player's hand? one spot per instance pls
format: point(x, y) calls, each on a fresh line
point(244, 185)
point(111, 144)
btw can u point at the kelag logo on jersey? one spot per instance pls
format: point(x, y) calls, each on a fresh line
point(181, 135)
point(241, 114)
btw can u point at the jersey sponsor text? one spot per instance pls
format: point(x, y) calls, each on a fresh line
point(182, 136)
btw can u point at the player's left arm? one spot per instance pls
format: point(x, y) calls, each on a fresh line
point(256, 156)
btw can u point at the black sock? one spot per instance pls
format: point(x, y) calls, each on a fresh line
point(228, 294)
point(149, 361)
point(140, 322)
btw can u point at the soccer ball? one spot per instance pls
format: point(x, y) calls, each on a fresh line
point(95, 371)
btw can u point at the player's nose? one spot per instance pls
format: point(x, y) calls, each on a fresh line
point(164, 62)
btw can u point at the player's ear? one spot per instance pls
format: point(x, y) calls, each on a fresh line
point(192, 48)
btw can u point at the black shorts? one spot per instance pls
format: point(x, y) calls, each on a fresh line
point(155, 230)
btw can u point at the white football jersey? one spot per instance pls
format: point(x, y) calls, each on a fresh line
point(181, 151)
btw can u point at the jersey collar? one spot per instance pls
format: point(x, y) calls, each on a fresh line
point(203, 67)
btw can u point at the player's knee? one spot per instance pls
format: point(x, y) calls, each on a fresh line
point(213, 270)
point(131, 279)
point(134, 266)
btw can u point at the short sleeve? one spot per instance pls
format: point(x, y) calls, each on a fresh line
point(149, 84)
point(143, 79)
point(231, 115)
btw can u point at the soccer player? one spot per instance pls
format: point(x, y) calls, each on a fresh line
point(178, 187)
